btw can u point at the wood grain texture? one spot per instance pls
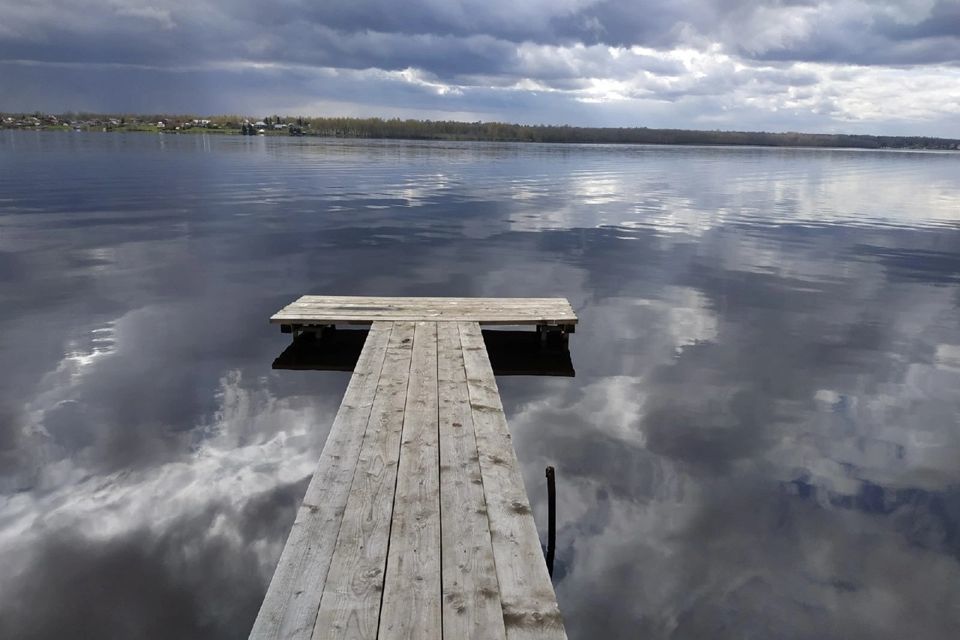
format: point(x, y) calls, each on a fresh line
point(289, 608)
point(316, 310)
point(471, 594)
point(411, 598)
point(529, 603)
point(350, 607)
point(416, 523)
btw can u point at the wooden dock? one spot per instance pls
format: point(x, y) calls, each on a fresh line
point(416, 523)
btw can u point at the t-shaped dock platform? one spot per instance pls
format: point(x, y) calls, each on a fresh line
point(416, 523)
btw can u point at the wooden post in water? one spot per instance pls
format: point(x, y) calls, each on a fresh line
point(551, 518)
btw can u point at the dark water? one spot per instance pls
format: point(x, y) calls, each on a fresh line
point(762, 440)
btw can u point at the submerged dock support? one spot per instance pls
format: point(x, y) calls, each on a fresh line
point(416, 523)
point(551, 517)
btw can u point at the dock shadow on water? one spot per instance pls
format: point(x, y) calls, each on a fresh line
point(761, 439)
point(511, 353)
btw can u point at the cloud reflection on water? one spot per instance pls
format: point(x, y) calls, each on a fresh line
point(761, 439)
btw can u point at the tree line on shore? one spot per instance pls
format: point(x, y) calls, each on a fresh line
point(497, 131)
point(396, 128)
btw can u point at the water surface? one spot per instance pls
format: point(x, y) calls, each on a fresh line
point(762, 439)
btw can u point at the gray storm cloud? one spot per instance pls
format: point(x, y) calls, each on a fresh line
point(885, 67)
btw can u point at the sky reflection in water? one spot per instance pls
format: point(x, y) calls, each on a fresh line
point(761, 440)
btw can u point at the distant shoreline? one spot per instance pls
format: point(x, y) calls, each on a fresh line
point(396, 129)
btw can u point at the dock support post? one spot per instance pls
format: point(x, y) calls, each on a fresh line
point(551, 518)
point(553, 335)
point(309, 332)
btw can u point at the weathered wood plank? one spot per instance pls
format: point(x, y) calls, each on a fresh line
point(471, 595)
point(344, 309)
point(419, 299)
point(438, 305)
point(356, 319)
point(416, 523)
point(529, 603)
point(289, 608)
point(350, 607)
point(411, 597)
point(439, 311)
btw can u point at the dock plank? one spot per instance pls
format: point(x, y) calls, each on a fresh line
point(289, 608)
point(350, 607)
point(411, 596)
point(529, 603)
point(416, 523)
point(471, 594)
point(504, 311)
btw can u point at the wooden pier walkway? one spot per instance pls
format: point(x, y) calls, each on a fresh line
point(416, 523)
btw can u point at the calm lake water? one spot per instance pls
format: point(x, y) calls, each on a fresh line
point(762, 439)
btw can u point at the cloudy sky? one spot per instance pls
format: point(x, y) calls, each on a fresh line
point(882, 66)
